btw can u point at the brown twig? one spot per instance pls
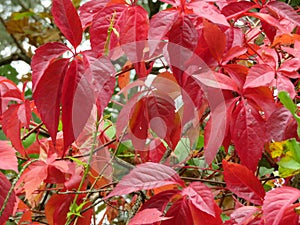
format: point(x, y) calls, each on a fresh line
point(204, 180)
point(23, 54)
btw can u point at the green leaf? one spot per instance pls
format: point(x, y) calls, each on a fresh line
point(29, 140)
point(182, 150)
point(287, 101)
point(291, 106)
point(289, 153)
point(21, 15)
point(9, 72)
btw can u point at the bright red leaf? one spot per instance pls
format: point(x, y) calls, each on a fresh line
point(160, 24)
point(245, 215)
point(276, 202)
point(88, 10)
point(58, 206)
point(146, 176)
point(160, 200)
point(236, 9)
point(202, 218)
point(105, 19)
point(215, 39)
point(259, 75)
point(76, 93)
point(208, 11)
point(147, 216)
point(67, 20)
point(184, 34)
point(248, 134)
point(100, 75)
point(43, 57)
point(281, 125)
point(201, 197)
point(9, 207)
point(16, 117)
point(241, 181)
point(47, 94)
point(180, 213)
point(8, 92)
point(134, 25)
point(284, 10)
point(8, 157)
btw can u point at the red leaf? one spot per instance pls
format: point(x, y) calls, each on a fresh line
point(43, 57)
point(238, 73)
point(285, 84)
point(67, 20)
point(248, 134)
point(9, 207)
point(202, 218)
point(218, 122)
point(47, 95)
point(290, 216)
point(264, 99)
point(101, 23)
point(8, 92)
point(259, 75)
point(160, 24)
point(268, 20)
point(216, 80)
point(89, 9)
point(201, 197)
point(148, 216)
point(160, 200)
point(77, 102)
point(232, 53)
point(236, 9)
point(290, 66)
point(161, 115)
point(241, 181)
point(215, 39)
point(156, 150)
point(134, 25)
point(8, 157)
point(100, 76)
point(279, 125)
point(183, 33)
point(139, 123)
point(276, 202)
point(284, 10)
point(180, 214)
point(245, 215)
point(33, 178)
point(208, 11)
point(58, 206)
point(11, 126)
point(146, 176)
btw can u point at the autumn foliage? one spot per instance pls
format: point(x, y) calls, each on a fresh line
point(184, 115)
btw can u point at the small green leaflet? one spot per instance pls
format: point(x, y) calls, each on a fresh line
point(291, 106)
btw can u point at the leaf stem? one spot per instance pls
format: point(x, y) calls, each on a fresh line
point(86, 171)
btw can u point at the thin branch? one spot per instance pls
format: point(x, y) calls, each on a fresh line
point(203, 180)
point(84, 192)
point(23, 54)
point(136, 206)
point(97, 149)
point(31, 131)
point(9, 59)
